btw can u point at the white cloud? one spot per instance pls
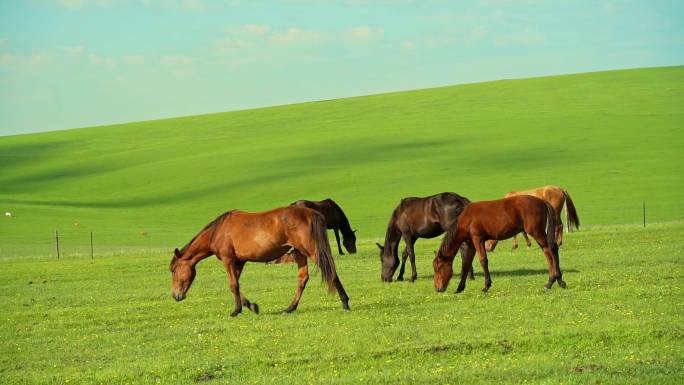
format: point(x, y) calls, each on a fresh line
point(101, 61)
point(75, 50)
point(180, 5)
point(230, 44)
point(23, 62)
point(408, 44)
point(133, 59)
point(296, 35)
point(255, 29)
point(364, 33)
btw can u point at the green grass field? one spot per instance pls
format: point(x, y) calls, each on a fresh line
point(613, 139)
point(113, 321)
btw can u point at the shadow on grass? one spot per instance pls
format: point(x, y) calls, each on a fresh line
point(499, 273)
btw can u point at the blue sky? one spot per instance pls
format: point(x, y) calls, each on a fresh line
point(74, 63)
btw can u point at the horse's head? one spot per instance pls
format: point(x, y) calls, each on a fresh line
point(182, 275)
point(349, 242)
point(443, 271)
point(389, 263)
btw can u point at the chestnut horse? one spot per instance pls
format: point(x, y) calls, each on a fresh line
point(498, 219)
point(237, 237)
point(556, 197)
point(335, 220)
point(415, 218)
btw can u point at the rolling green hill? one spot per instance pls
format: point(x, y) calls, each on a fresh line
point(613, 139)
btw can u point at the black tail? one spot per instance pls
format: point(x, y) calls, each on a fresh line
point(323, 253)
point(572, 213)
point(551, 225)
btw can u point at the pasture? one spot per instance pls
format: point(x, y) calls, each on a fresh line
point(113, 321)
point(613, 139)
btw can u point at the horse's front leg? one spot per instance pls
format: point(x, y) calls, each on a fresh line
point(479, 245)
point(337, 238)
point(515, 241)
point(467, 255)
point(464, 250)
point(404, 255)
point(234, 269)
point(412, 255)
point(302, 279)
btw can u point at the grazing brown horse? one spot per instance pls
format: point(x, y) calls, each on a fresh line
point(335, 220)
point(498, 219)
point(237, 237)
point(415, 218)
point(556, 197)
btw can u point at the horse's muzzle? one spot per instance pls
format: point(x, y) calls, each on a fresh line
point(178, 297)
point(440, 289)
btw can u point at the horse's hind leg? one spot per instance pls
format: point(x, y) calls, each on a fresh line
point(515, 241)
point(337, 238)
point(527, 239)
point(342, 293)
point(550, 260)
point(479, 245)
point(559, 275)
point(559, 228)
point(302, 279)
point(404, 255)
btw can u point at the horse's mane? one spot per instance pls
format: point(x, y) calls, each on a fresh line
point(211, 225)
point(448, 240)
point(344, 222)
point(392, 225)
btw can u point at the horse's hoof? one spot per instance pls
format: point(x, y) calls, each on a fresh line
point(460, 289)
point(413, 279)
point(548, 286)
point(485, 289)
point(562, 284)
point(400, 278)
point(345, 306)
point(289, 310)
point(234, 314)
point(254, 307)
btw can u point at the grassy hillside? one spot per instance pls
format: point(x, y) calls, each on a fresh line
point(613, 139)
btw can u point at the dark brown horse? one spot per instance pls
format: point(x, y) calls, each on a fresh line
point(415, 218)
point(499, 219)
point(335, 220)
point(237, 237)
point(557, 197)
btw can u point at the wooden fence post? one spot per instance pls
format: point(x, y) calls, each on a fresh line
point(57, 241)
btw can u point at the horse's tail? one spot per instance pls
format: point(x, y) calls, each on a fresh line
point(551, 225)
point(572, 213)
point(323, 253)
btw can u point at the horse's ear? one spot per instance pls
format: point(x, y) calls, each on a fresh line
point(379, 246)
point(177, 253)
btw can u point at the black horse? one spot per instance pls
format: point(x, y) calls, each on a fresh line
point(335, 220)
point(415, 218)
